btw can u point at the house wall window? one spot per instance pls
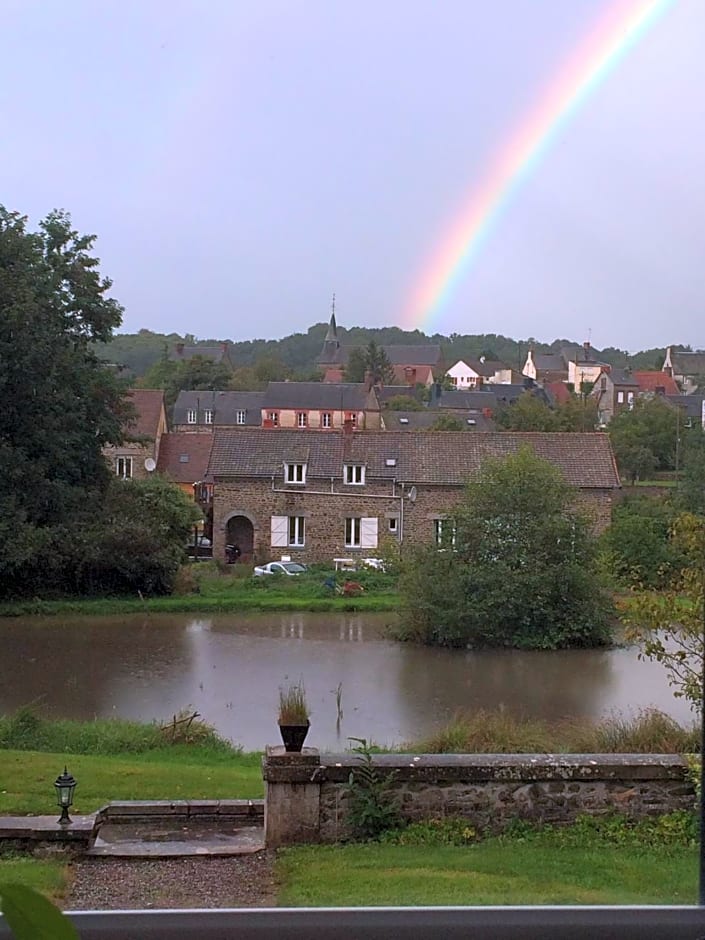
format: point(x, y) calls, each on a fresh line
point(273, 416)
point(297, 530)
point(240, 417)
point(354, 474)
point(191, 416)
point(123, 467)
point(393, 525)
point(351, 416)
point(630, 400)
point(295, 472)
point(361, 532)
point(620, 398)
point(326, 419)
point(301, 419)
point(288, 531)
point(444, 532)
point(208, 416)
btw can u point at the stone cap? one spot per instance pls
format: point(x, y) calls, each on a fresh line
point(46, 828)
point(282, 766)
point(336, 768)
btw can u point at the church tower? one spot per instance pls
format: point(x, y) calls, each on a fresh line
point(330, 354)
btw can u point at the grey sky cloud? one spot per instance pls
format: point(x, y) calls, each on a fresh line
point(241, 161)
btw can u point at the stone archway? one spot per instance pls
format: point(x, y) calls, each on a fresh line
point(240, 531)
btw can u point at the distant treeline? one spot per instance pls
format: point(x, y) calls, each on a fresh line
point(298, 352)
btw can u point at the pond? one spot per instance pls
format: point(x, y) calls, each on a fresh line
point(229, 667)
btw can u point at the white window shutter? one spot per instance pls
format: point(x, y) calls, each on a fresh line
point(280, 531)
point(368, 532)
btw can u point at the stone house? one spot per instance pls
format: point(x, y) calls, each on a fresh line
point(615, 390)
point(687, 368)
point(183, 460)
point(203, 410)
point(137, 456)
point(324, 495)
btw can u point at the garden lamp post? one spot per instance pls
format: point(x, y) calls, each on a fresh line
point(65, 786)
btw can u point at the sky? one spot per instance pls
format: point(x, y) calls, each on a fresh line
point(241, 162)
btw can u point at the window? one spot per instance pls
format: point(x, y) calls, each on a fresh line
point(296, 530)
point(240, 417)
point(620, 398)
point(183, 458)
point(393, 523)
point(273, 416)
point(444, 532)
point(191, 416)
point(354, 474)
point(208, 416)
point(351, 416)
point(295, 472)
point(352, 532)
point(123, 467)
point(630, 400)
point(301, 419)
point(361, 532)
point(326, 419)
point(288, 531)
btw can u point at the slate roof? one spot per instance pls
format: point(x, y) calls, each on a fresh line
point(419, 420)
point(385, 392)
point(184, 456)
point(148, 404)
point(691, 404)
point(622, 377)
point(688, 363)
point(549, 362)
point(224, 406)
point(487, 368)
point(317, 395)
point(422, 457)
point(650, 381)
point(468, 400)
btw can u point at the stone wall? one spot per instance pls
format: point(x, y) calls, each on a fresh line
point(489, 790)
point(325, 505)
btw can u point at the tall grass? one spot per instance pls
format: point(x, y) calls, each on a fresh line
point(498, 732)
point(27, 730)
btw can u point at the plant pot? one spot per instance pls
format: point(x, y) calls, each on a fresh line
point(294, 736)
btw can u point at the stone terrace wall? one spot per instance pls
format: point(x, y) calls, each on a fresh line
point(489, 790)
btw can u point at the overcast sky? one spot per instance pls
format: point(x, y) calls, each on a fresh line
point(240, 161)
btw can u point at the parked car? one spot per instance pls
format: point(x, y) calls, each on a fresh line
point(289, 568)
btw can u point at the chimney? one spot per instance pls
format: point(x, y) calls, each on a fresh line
point(586, 350)
point(267, 423)
point(348, 427)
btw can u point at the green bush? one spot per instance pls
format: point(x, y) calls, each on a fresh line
point(637, 550)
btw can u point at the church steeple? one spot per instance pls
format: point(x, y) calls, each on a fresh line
point(331, 344)
point(332, 334)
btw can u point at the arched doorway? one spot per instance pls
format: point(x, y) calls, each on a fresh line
point(241, 532)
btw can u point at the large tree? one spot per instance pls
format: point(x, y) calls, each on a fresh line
point(645, 438)
point(514, 567)
point(371, 359)
point(61, 405)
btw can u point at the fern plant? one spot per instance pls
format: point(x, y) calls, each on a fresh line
point(372, 804)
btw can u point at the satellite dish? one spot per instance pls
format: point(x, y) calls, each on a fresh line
point(150, 465)
point(412, 494)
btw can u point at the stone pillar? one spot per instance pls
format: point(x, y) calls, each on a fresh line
point(292, 796)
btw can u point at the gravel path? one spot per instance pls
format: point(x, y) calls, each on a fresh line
point(122, 884)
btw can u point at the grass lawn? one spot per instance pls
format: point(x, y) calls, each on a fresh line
point(48, 877)
point(179, 773)
point(494, 873)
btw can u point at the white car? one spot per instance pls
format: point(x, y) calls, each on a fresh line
point(289, 568)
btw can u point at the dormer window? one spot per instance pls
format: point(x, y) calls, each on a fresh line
point(191, 416)
point(295, 472)
point(354, 474)
point(208, 416)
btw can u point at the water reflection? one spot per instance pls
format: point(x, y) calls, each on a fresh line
point(230, 667)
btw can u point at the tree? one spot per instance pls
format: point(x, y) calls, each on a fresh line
point(637, 549)
point(644, 439)
point(691, 488)
point(404, 403)
point(372, 359)
point(448, 423)
point(516, 566)
point(527, 413)
point(669, 624)
point(61, 405)
point(194, 374)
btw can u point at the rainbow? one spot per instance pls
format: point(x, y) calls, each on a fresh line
point(624, 24)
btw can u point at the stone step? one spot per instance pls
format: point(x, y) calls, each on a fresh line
point(127, 841)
